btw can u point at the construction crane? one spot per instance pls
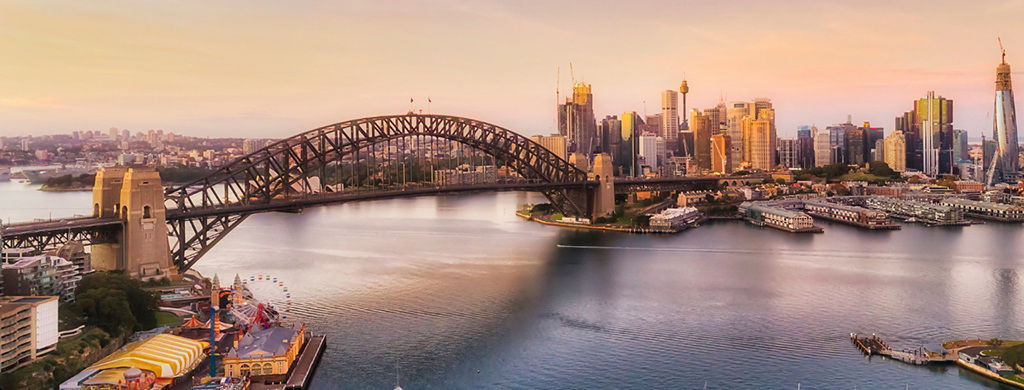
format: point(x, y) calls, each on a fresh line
point(1001, 48)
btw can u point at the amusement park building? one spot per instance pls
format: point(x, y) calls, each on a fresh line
point(263, 352)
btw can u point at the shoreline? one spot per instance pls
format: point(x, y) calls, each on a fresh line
point(607, 228)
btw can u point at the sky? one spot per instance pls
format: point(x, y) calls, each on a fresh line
point(271, 69)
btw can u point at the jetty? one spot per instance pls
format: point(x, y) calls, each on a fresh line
point(874, 346)
point(303, 370)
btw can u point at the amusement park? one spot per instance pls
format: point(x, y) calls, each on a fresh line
point(234, 337)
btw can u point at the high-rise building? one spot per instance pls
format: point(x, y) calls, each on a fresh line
point(652, 124)
point(805, 137)
point(837, 141)
point(908, 124)
point(685, 143)
point(878, 152)
point(576, 120)
point(855, 146)
point(789, 152)
point(823, 147)
point(126, 135)
point(721, 159)
point(762, 156)
point(895, 151)
point(611, 130)
point(630, 126)
point(936, 122)
point(30, 329)
point(1004, 128)
point(555, 143)
point(960, 148)
point(871, 137)
point(648, 150)
point(703, 128)
point(988, 154)
point(734, 114)
point(670, 116)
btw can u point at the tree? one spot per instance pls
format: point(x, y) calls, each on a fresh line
point(107, 309)
point(881, 168)
point(914, 180)
point(780, 181)
point(95, 288)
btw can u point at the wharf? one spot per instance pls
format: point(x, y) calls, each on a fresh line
point(874, 346)
point(623, 229)
point(889, 226)
point(813, 229)
point(304, 369)
point(993, 217)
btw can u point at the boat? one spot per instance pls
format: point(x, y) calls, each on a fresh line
point(40, 176)
point(397, 380)
point(911, 220)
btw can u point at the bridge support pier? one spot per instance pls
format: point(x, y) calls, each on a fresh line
point(137, 197)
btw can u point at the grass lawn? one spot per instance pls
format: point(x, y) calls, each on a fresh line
point(168, 319)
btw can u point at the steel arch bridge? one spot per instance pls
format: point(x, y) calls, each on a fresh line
point(285, 175)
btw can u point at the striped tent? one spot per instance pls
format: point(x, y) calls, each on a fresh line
point(192, 323)
point(167, 356)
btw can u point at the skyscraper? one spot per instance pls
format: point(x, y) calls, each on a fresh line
point(960, 148)
point(1004, 127)
point(823, 147)
point(702, 125)
point(908, 124)
point(762, 155)
point(734, 114)
point(855, 146)
point(576, 121)
point(936, 122)
point(789, 151)
point(630, 126)
point(805, 137)
point(648, 151)
point(670, 116)
point(895, 151)
point(611, 137)
point(721, 159)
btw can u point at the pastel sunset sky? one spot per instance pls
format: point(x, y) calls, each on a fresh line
point(275, 68)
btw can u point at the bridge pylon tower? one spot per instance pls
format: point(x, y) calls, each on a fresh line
point(136, 196)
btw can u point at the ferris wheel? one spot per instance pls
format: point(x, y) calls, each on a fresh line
point(260, 300)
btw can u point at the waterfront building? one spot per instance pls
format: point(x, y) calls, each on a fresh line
point(670, 116)
point(1004, 128)
point(895, 151)
point(823, 148)
point(673, 218)
point(703, 128)
point(767, 214)
point(936, 122)
point(555, 143)
point(162, 358)
point(265, 352)
point(28, 328)
point(41, 275)
point(924, 211)
point(721, 159)
point(987, 210)
point(848, 213)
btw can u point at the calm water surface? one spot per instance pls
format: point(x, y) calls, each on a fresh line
point(445, 287)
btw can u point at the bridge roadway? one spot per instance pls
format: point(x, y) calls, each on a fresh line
point(94, 230)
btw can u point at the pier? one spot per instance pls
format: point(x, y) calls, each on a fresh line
point(874, 346)
point(304, 369)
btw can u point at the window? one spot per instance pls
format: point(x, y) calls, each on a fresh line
point(268, 369)
point(124, 212)
point(96, 210)
point(146, 212)
point(244, 370)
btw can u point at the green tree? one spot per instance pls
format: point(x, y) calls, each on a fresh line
point(881, 168)
point(107, 309)
point(780, 181)
point(142, 304)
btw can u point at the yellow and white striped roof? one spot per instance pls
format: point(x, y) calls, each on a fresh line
point(168, 356)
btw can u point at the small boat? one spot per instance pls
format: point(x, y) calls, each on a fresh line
point(911, 220)
point(397, 379)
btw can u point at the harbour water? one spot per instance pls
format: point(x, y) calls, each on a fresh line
point(458, 293)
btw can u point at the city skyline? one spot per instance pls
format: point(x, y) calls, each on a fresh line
point(217, 70)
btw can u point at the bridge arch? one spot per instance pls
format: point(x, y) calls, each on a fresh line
point(287, 167)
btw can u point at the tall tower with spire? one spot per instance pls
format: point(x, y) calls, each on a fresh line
point(1004, 127)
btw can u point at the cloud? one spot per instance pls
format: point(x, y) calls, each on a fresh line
point(33, 103)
